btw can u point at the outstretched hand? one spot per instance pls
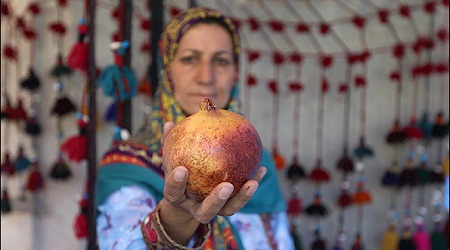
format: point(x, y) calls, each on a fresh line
point(218, 202)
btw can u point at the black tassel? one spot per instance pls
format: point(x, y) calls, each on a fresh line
point(5, 204)
point(345, 164)
point(60, 170)
point(32, 127)
point(295, 171)
point(31, 82)
point(63, 106)
point(440, 128)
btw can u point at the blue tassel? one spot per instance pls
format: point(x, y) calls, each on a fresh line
point(21, 163)
point(425, 126)
point(112, 80)
point(363, 150)
point(111, 113)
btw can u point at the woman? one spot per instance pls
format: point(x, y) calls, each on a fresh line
point(139, 205)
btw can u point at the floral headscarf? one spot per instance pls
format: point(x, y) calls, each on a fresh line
point(165, 108)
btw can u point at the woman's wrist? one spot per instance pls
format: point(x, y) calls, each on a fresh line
point(156, 236)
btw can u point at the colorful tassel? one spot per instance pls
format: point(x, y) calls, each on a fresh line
point(390, 239)
point(111, 113)
point(425, 126)
point(144, 87)
point(32, 127)
point(406, 242)
point(80, 225)
point(118, 80)
point(396, 135)
point(60, 69)
point(319, 174)
point(60, 170)
point(344, 199)
point(423, 173)
point(345, 164)
point(77, 58)
point(295, 171)
point(280, 162)
point(391, 176)
point(318, 243)
point(408, 176)
point(296, 238)
point(7, 167)
point(18, 113)
point(421, 239)
point(412, 131)
point(5, 203)
point(21, 162)
point(35, 181)
point(63, 106)
point(363, 150)
point(31, 82)
point(76, 146)
point(362, 196)
point(440, 129)
point(7, 109)
point(438, 240)
point(358, 244)
point(316, 209)
point(294, 206)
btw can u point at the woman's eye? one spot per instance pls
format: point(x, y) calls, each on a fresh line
point(188, 59)
point(223, 61)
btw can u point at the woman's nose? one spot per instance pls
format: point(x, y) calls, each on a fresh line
point(205, 72)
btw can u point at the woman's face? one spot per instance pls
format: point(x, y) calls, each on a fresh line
point(203, 66)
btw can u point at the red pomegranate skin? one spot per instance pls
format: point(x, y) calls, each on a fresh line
point(215, 145)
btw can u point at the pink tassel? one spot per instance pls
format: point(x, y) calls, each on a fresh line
point(422, 239)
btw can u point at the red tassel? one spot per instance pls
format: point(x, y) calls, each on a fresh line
point(144, 86)
point(345, 199)
point(76, 147)
point(359, 22)
point(18, 113)
point(77, 58)
point(383, 15)
point(35, 180)
point(273, 86)
point(319, 174)
point(278, 58)
point(7, 167)
point(294, 207)
point(81, 226)
point(413, 131)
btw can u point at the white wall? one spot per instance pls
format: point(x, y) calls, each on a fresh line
point(44, 221)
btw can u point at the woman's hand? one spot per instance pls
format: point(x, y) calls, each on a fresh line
point(186, 211)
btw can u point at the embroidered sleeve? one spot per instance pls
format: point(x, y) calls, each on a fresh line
point(156, 237)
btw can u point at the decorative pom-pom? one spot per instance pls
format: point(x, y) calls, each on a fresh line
point(440, 129)
point(5, 203)
point(63, 106)
point(111, 112)
point(396, 135)
point(390, 239)
point(21, 163)
point(280, 162)
point(318, 243)
point(319, 174)
point(31, 82)
point(80, 225)
point(60, 170)
point(7, 167)
point(345, 164)
point(295, 171)
point(35, 181)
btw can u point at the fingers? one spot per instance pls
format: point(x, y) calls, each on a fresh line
point(167, 127)
point(260, 174)
point(175, 185)
point(205, 211)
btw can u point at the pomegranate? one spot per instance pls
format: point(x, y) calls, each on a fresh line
point(215, 145)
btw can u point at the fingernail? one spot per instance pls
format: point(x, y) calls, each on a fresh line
point(263, 172)
point(225, 192)
point(250, 190)
point(179, 175)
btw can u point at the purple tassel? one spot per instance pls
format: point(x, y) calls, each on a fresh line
point(111, 113)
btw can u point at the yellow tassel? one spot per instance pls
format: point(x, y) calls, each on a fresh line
point(390, 239)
